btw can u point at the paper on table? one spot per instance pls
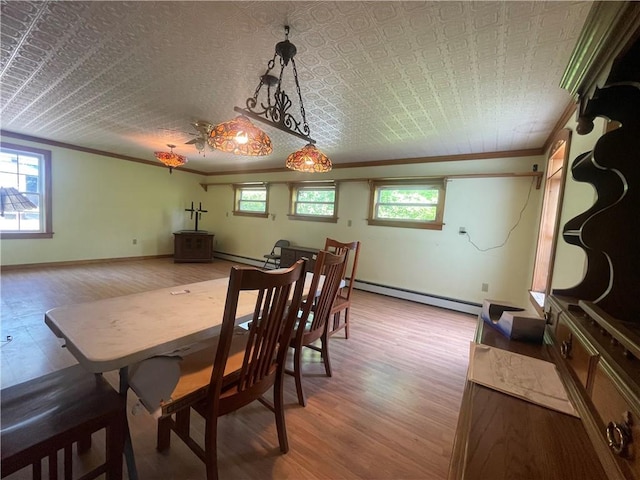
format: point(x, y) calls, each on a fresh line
point(524, 377)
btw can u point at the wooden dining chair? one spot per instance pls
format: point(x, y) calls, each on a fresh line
point(239, 366)
point(343, 299)
point(314, 314)
point(50, 413)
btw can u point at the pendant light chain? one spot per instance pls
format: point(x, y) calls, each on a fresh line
point(274, 111)
point(302, 111)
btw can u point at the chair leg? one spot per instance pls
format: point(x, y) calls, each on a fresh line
point(346, 323)
point(325, 352)
point(183, 422)
point(115, 437)
point(163, 440)
point(211, 448)
point(278, 403)
point(297, 374)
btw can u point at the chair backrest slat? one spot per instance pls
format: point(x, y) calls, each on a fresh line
point(271, 323)
point(335, 246)
point(317, 307)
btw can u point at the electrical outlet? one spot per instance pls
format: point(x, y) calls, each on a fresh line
point(462, 230)
point(135, 241)
point(485, 287)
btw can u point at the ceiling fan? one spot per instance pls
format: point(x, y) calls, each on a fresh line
point(204, 129)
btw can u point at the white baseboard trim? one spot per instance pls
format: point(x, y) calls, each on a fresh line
point(418, 297)
point(236, 258)
point(425, 298)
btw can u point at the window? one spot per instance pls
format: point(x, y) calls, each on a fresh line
point(315, 201)
point(550, 218)
point(28, 171)
point(415, 203)
point(251, 199)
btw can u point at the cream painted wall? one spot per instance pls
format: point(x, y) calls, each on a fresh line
point(100, 204)
point(441, 263)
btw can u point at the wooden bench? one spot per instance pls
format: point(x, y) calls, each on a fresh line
point(50, 413)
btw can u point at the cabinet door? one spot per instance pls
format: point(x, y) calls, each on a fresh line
point(193, 248)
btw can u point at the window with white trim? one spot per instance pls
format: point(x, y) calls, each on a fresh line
point(415, 203)
point(314, 201)
point(25, 178)
point(251, 199)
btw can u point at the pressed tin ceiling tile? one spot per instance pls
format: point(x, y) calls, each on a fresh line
point(380, 80)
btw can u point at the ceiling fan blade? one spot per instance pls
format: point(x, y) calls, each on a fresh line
point(192, 141)
point(202, 126)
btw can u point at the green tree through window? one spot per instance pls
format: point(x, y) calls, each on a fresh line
point(316, 201)
point(406, 203)
point(251, 200)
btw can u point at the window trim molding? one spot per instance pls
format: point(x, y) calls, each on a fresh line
point(238, 187)
point(48, 203)
point(561, 139)
point(293, 193)
point(437, 224)
point(312, 218)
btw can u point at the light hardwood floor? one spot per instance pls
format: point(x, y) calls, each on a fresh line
point(388, 412)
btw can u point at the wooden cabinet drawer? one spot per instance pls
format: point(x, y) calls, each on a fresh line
point(580, 356)
point(611, 401)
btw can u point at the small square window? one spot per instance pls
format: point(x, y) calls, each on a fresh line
point(251, 200)
point(314, 201)
point(407, 203)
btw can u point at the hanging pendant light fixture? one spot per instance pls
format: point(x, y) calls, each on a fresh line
point(273, 108)
point(309, 159)
point(241, 137)
point(170, 159)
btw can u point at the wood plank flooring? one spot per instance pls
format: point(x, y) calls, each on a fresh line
point(388, 412)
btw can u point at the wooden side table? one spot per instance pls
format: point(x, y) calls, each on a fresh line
point(193, 246)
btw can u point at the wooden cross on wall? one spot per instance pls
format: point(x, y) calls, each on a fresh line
point(198, 213)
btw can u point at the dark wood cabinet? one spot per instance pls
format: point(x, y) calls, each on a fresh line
point(193, 246)
point(501, 437)
point(292, 254)
point(602, 357)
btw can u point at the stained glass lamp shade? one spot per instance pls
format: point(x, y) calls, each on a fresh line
point(309, 159)
point(170, 159)
point(241, 137)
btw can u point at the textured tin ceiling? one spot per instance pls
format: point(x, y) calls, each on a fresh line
point(379, 80)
